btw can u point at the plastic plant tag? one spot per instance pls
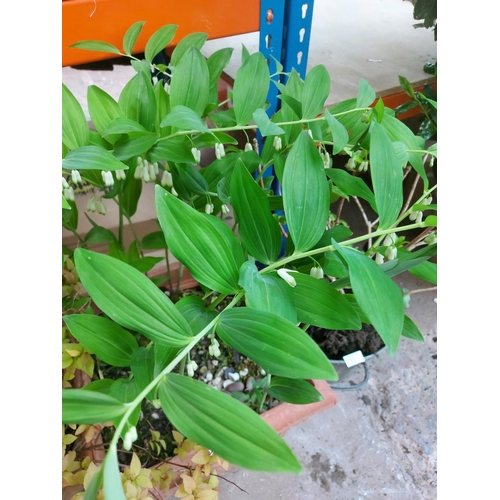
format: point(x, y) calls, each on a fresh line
point(353, 359)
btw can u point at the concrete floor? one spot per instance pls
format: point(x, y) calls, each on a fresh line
point(379, 441)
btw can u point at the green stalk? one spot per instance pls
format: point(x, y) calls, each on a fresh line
point(182, 354)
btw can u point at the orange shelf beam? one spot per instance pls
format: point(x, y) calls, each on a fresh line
point(108, 20)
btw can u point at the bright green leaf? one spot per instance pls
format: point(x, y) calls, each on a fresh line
point(95, 45)
point(75, 129)
point(130, 298)
point(366, 95)
point(193, 309)
point(92, 158)
point(266, 126)
point(89, 407)
point(131, 36)
point(184, 118)
point(316, 90)
point(411, 331)
point(213, 419)
point(196, 40)
point(112, 484)
point(294, 391)
point(159, 40)
point(338, 131)
point(137, 100)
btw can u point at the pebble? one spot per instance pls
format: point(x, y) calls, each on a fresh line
point(234, 376)
point(235, 387)
point(243, 373)
point(217, 383)
point(227, 383)
point(209, 376)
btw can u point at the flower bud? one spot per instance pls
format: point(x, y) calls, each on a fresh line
point(317, 272)
point(196, 155)
point(351, 164)
point(390, 239)
point(363, 166)
point(167, 87)
point(431, 239)
point(379, 258)
point(91, 204)
point(75, 177)
point(248, 147)
point(100, 207)
point(416, 216)
point(191, 367)
point(157, 403)
point(225, 209)
point(209, 208)
point(166, 180)
point(120, 175)
point(107, 178)
point(173, 191)
point(283, 273)
point(391, 253)
point(69, 194)
point(65, 184)
point(309, 131)
point(145, 173)
point(219, 151)
point(277, 143)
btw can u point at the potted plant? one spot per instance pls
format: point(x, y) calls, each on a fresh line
point(254, 228)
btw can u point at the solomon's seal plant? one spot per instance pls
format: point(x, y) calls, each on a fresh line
point(281, 263)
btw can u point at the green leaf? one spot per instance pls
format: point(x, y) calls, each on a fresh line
point(65, 204)
point(154, 241)
point(276, 344)
point(213, 419)
point(103, 109)
point(406, 86)
point(211, 139)
point(315, 92)
point(159, 40)
point(145, 264)
point(75, 129)
point(101, 385)
point(96, 45)
point(131, 299)
point(184, 118)
point(94, 487)
point(379, 110)
point(426, 271)
point(295, 105)
point(126, 390)
point(353, 186)
point(250, 88)
point(204, 244)
point(266, 126)
point(137, 100)
point(176, 149)
point(401, 154)
point(216, 64)
point(377, 295)
point(189, 83)
point(430, 221)
point(196, 40)
point(258, 229)
point(306, 194)
point(131, 36)
point(387, 176)
point(295, 391)
point(112, 484)
point(107, 340)
point(366, 95)
point(267, 292)
point(319, 304)
point(92, 158)
point(193, 309)
point(338, 131)
point(143, 368)
point(135, 145)
point(130, 195)
point(122, 125)
point(411, 331)
point(89, 407)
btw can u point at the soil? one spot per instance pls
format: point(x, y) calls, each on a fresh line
point(338, 343)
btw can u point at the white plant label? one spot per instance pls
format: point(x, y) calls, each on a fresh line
point(353, 359)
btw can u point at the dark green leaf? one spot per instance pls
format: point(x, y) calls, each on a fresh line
point(136, 145)
point(353, 186)
point(295, 105)
point(406, 86)
point(131, 299)
point(387, 176)
point(101, 385)
point(122, 125)
point(154, 241)
point(89, 407)
point(319, 304)
point(211, 139)
point(267, 293)
point(126, 390)
point(204, 244)
point(159, 40)
point(176, 149)
point(131, 36)
point(143, 368)
point(295, 391)
point(276, 344)
point(129, 197)
point(213, 419)
point(306, 194)
point(250, 88)
point(75, 129)
point(145, 264)
point(258, 229)
point(103, 109)
point(316, 90)
point(107, 340)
